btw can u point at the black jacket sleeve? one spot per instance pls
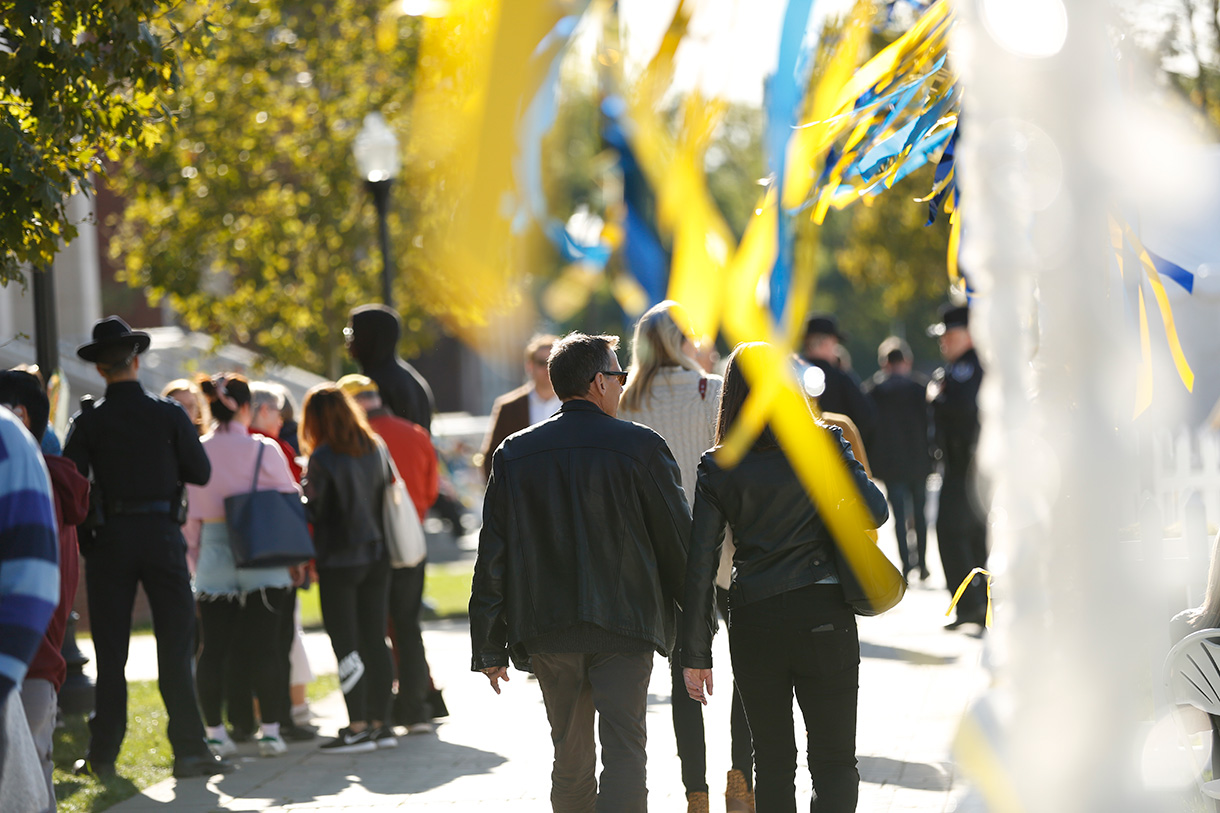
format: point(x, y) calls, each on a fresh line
point(707, 537)
point(317, 485)
point(668, 519)
point(193, 464)
point(488, 624)
point(76, 445)
point(863, 411)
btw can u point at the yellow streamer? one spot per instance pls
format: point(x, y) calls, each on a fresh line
point(1162, 300)
point(961, 588)
point(955, 239)
point(976, 753)
point(720, 283)
point(1143, 378)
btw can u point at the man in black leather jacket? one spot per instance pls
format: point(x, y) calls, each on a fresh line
point(581, 558)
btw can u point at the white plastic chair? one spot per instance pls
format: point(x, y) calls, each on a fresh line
point(1192, 677)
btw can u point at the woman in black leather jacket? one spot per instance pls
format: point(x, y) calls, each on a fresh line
point(344, 483)
point(790, 629)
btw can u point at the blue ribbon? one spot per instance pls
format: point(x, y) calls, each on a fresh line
point(784, 94)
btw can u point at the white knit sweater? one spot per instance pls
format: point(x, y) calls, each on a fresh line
point(674, 409)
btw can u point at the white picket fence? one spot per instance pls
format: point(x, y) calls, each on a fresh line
point(1186, 462)
point(1179, 517)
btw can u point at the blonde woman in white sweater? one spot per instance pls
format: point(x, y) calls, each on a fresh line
point(669, 393)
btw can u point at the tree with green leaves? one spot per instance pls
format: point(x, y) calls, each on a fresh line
point(251, 219)
point(80, 81)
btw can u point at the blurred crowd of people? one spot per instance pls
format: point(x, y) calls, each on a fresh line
point(626, 538)
point(140, 492)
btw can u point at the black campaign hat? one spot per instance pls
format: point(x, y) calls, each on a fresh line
point(824, 323)
point(951, 316)
point(113, 333)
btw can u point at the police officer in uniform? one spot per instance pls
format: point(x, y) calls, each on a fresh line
point(961, 522)
point(139, 450)
point(842, 393)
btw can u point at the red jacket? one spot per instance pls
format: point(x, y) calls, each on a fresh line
point(289, 453)
point(71, 506)
point(411, 448)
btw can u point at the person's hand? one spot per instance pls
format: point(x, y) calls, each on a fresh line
point(495, 674)
point(697, 681)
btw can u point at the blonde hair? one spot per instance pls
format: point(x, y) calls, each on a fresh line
point(658, 340)
point(203, 422)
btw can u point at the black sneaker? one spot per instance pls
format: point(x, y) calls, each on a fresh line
point(383, 737)
point(202, 765)
point(350, 742)
point(298, 733)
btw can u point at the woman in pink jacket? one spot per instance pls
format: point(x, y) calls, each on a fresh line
point(232, 600)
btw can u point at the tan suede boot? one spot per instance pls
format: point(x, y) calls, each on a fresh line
point(697, 802)
point(737, 798)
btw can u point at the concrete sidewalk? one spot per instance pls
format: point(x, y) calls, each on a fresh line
point(916, 679)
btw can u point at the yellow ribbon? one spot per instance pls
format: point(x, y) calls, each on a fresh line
point(961, 588)
point(1162, 301)
point(955, 239)
point(977, 755)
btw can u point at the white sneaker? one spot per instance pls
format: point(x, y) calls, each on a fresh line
point(272, 746)
point(302, 714)
point(421, 728)
point(222, 747)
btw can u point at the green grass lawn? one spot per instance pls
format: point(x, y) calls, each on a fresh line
point(146, 757)
point(447, 590)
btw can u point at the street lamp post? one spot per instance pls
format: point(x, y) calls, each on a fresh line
point(378, 160)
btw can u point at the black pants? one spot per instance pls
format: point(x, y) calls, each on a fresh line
point(146, 550)
point(910, 496)
point(615, 685)
point(238, 683)
point(802, 641)
point(354, 601)
point(414, 684)
point(245, 631)
point(688, 724)
point(961, 531)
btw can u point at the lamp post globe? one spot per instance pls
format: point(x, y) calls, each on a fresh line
point(379, 161)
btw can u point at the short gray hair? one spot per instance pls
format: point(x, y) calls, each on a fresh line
point(265, 393)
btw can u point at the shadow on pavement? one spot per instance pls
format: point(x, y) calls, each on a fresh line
point(416, 766)
point(868, 650)
point(916, 775)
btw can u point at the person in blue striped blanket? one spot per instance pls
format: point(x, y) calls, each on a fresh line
point(29, 592)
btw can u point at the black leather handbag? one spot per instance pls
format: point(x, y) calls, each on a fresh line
point(267, 528)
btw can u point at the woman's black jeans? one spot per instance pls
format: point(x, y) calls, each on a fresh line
point(688, 724)
point(354, 602)
point(802, 641)
point(224, 623)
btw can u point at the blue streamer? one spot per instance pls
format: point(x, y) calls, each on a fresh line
point(784, 94)
point(1175, 272)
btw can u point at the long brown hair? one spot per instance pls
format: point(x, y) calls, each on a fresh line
point(329, 416)
point(734, 393)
